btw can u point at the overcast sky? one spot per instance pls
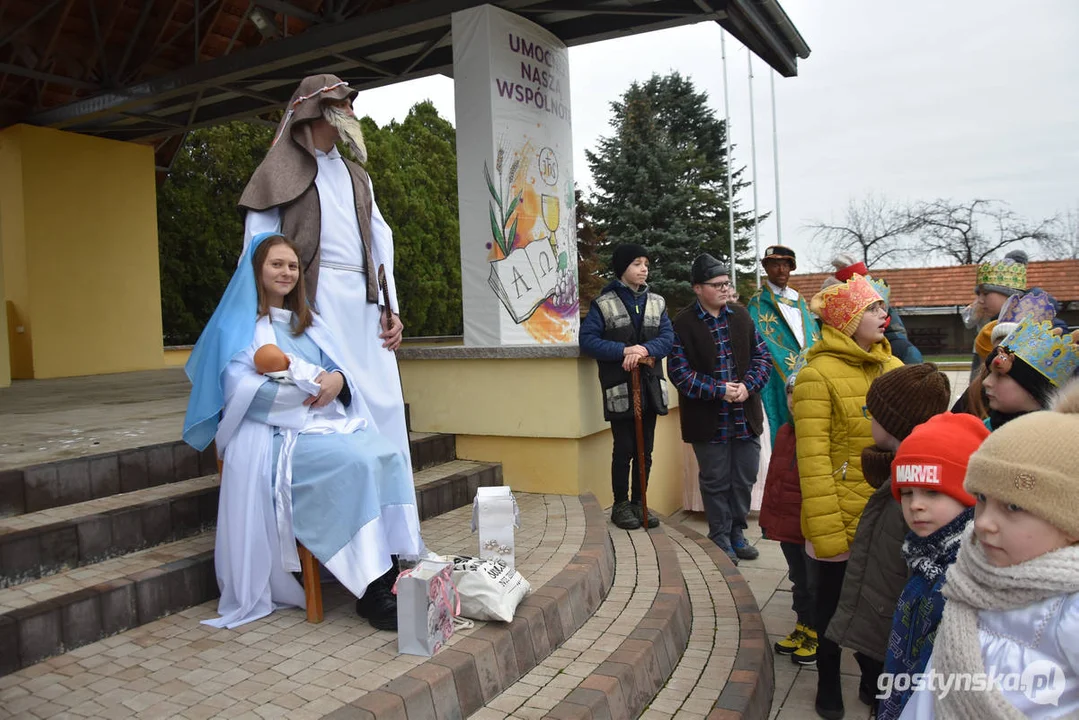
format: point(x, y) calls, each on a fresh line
point(914, 100)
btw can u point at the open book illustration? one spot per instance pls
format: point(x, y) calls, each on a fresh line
point(525, 279)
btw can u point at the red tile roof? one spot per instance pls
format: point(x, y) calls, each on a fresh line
point(954, 285)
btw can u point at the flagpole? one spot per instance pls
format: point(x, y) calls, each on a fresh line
point(775, 156)
point(753, 152)
point(727, 132)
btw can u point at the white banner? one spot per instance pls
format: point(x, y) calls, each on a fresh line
point(514, 181)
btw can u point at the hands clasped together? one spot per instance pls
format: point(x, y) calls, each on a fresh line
point(735, 392)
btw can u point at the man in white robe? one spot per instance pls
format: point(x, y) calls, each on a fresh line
point(325, 204)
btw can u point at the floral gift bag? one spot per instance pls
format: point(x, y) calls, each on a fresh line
point(427, 603)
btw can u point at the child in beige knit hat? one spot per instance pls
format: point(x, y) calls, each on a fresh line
point(1012, 610)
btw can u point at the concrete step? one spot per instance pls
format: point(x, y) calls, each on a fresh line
point(75, 606)
point(679, 635)
point(38, 544)
point(282, 666)
point(67, 482)
point(617, 661)
point(34, 545)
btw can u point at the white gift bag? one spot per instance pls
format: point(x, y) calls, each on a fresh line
point(427, 603)
point(495, 515)
point(489, 589)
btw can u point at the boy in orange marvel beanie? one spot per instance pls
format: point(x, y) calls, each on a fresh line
point(927, 479)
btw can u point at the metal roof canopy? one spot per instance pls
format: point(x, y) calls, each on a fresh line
point(150, 70)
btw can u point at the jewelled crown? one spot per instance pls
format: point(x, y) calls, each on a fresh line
point(842, 305)
point(1036, 305)
point(1005, 273)
point(1054, 356)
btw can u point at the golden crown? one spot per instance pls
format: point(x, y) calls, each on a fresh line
point(1005, 273)
point(842, 305)
point(1054, 356)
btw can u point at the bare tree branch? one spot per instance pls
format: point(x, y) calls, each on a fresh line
point(1063, 243)
point(873, 229)
point(972, 232)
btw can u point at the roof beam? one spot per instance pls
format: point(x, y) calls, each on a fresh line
point(47, 77)
point(669, 8)
point(254, 94)
point(144, 15)
point(42, 12)
point(426, 51)
point(99, 43)
point(287, 8)
point(315, 43)
point(772, 46)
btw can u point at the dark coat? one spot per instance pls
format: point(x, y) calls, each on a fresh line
point(617, 319)
point(781, 508)
point(700, 418)
point(875, 577)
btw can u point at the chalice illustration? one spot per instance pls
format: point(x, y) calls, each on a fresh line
point(549, 206)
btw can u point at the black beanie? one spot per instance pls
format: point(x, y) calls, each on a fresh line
point(705, 267)
point(623, 257)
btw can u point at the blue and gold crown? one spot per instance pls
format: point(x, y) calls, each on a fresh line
point(1006, 273)
point(881, 286)
point(1056, 357)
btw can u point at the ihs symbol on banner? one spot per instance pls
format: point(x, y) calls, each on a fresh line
point(548, 166)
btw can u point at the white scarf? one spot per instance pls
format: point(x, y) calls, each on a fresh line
point(974, 585)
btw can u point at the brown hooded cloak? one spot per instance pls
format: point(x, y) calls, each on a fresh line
point(286, 179)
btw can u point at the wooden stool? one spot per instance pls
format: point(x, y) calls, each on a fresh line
point(312, 584)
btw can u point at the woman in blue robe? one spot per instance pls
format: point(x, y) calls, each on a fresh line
point(301, 461)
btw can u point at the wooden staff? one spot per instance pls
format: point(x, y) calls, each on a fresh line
point(638, 421)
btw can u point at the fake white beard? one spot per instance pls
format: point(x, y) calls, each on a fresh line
point(349, 128)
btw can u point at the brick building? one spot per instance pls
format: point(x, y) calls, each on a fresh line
point(929, 299)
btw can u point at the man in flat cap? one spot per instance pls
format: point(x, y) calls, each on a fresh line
point(305, 190)
point(719, 363)
point(788, 328)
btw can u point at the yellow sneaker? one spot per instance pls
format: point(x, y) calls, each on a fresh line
point(807, 653)
point(792, 642)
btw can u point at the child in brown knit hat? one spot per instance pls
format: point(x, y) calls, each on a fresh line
point(897, 402)
point(1013, 593)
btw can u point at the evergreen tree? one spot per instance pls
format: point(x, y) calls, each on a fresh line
point(200, 232)
point(661, 182)
point(413, 166)
point(589, 266)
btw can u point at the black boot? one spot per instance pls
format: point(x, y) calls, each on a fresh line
point(379, 605)
point(829, 704)
point(622, 515)
point(653, 521)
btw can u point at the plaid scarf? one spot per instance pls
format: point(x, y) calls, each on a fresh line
point(920, 606)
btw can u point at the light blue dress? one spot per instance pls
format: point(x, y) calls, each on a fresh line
point(340, 482)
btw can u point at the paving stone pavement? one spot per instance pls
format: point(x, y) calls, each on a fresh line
point(796, 686)
point(279, 666)
point(635, 582)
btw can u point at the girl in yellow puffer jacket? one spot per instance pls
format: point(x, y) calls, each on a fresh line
point(833, 428)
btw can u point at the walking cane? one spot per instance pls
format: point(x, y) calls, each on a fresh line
point(638, 421)
point(385, 287)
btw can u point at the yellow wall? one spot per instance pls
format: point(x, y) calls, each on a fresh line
point(177, 357)
point(15, 357)
point(541, 418)
point(80, 255)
